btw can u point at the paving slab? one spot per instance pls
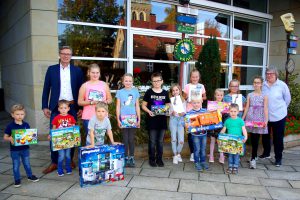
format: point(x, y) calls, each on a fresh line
point(245, 164)
point(4, 196)
point(291, 162)
point(74, 177)
point(294, 155)
point(284, 193)
point(40, 189)
point(189, 167)
point(5, 167)
point(203, 187)
point(244, 179)
point(281, 168)
point(284, 175)
point(154, 183)
point(214, 177)
point(179, 166)
point(37, 154)
point(246, 190)
point(19, 197)
point(133, 171)
point(296, 168)
point(217, 168)
point(184, 175)
point(274, 182)
point(218, 197)
point(5, 180)
point(143, 194)
point(3, 156)
point(295, 184)
point(37, 171)
point(253, 173)
point(33, 162)
point(155, 172)
point(264, 161)
point(95, 193)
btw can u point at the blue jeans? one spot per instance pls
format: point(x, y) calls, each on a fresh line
point(156, 138)
point(233, 160)
point(199, 148)
point(62, 154)
point(85, 123)
point(177, 134)
point(24, 155)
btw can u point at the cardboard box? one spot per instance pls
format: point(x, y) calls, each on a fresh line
point(222, 107)
point(231, 144)
point(24, 136)
point(255, 124)
point(101, 164)
point(65, 138)
point(128, 121)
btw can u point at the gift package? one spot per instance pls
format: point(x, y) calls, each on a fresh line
point(231, 144)
point(24, 136)
point(65, 138)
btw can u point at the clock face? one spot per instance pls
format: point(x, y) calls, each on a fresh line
point(290, 65)
point(184, 50)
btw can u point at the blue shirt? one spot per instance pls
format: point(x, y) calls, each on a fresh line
point(127, 100)
point(191, 112)
point(279, 98)
point(8, 131)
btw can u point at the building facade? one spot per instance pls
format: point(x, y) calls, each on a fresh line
point(136, 36)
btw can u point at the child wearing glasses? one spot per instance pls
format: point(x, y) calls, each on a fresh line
point(176, 124)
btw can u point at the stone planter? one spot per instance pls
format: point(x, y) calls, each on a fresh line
point(291, 140)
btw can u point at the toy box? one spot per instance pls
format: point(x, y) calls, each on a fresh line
point(197, 123)
point(255, 124)
point(195, 93)
point(128, 121)
point(101, 164)
point(222, 107)
point(95, 95)
point(24, 136)
point(65, 138)
point(231, 144)
point(160, 109)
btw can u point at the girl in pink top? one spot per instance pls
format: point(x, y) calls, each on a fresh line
point(193, 88)
point(92, 92)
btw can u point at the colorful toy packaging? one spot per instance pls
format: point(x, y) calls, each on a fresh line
point(65, 138)
point(222, 107)
point(255, 124)
point(24, 136)
point(128, 121)
point(101, 164)
point(160, 109)
point(197, 123)
point(231, 144)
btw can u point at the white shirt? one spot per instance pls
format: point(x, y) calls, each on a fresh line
point(65, 84)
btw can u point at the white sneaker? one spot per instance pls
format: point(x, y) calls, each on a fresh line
point(253, 164)
point(175, 160)
point(179, 158)
point(192, 157)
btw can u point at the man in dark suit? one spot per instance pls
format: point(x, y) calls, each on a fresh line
point(62, 81)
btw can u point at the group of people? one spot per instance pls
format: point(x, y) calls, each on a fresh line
point(66, 97)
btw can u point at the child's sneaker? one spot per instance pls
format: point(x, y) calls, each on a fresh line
point(229, 171)
point(131, 162)
point(33, 178)
point(175, 160)
point(264, 156)
point(205, 166)
point(60, 174)
point(179, 158)
point(252, 164)
point(211, 159)
point(17, 183)
point(235, 170)
point(221, 159)
point(69, 172)
point(192, 157)
point(198, 167)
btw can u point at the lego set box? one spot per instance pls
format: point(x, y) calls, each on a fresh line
point(24, 136)
point(231, 144)
point(128, 121)
point(65, 138)
point(222, 107)
point(101, 164)
point(197, 123)
point(160, 109)
point(255, 124)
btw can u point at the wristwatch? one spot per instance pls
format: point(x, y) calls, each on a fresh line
point(91, 102)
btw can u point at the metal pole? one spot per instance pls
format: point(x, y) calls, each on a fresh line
point(287, 58)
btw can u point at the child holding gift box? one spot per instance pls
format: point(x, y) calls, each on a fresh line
point(199, 138)
point(177, 110)
point(156, 124)
point(256, 110)
point(234, 126)
point(219, 94)
point(128, 105)
point(194, 88)
point(63, 120)
point(19, 152)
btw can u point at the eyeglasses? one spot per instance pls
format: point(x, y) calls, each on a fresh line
point(270, 74)
point(256, 83)
point(66, 54)
point(234, 86)
point(156, 81)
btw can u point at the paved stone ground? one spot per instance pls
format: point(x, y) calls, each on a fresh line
point(180, 181)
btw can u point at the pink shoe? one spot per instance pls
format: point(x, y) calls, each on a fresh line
point(221, 159)
point(211, 159)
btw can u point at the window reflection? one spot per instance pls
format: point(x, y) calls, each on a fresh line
point(100, 11)
point(93, 41)
point(247, 55)
point(245, 74)
point(257, 5)
point(249, 30)
point(222, 1)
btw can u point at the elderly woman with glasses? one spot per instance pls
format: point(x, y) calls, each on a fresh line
point(279, 99)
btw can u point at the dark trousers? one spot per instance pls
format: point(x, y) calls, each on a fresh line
point(128, 140)
point(155, 148)
point(254, 142)
point(191, 143)
point(277, 128)
point(54, 154)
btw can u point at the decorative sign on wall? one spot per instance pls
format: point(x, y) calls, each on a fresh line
point(184, 50)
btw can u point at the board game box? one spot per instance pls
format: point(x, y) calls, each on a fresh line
point(255, 124)
point(160, 109)
point(231, 144)
point(65, 138)
point(24, 136)
point(128, 121)
point(101, 164)
point(222, 107)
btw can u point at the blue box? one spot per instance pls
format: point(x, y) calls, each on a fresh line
point(101, 164)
